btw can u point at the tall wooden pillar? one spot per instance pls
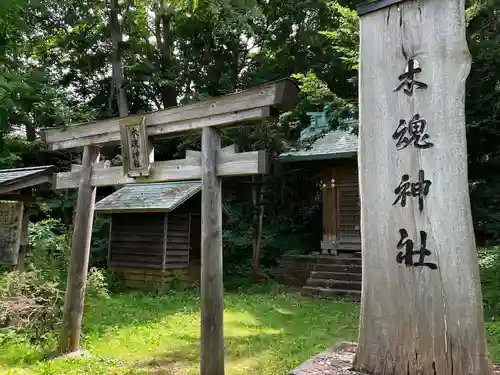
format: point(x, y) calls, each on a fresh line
point(212, 338)
point(24, 241)
point(80, 252)
point(421, 305)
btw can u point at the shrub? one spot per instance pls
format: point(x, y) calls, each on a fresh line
point(49, 249)
point(97, 285)
point(30, 303)
point(489, 265)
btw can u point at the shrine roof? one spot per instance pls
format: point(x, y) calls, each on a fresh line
point(21, 178)
point(335, 144)
point(159, 197)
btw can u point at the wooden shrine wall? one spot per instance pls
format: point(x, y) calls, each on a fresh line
point(137, 240)
point(340, 200)
point(148, 247)
point(178, 231)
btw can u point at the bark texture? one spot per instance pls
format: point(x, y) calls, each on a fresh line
point(258, 205)
point(417, 320)
point(116, 60)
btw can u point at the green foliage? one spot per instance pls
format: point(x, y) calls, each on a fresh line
point(483, 114)
point(29, 303)
point(489, 264)
point(17, 152)
point(97, 284)
point(345, 37)
point(100, 241)
point(49, 249)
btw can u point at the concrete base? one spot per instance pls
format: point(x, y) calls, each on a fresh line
point(81, 353)
point(334, 361)
point(338, 361)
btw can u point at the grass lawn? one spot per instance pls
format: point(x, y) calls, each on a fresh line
point(266, 333)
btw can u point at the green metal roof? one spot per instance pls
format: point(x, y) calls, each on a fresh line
point(335, 144)
point(163, 197)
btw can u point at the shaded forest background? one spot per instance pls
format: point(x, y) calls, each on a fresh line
point(56, 68)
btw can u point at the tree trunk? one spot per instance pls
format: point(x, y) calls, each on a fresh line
point(421, 311)
point(116, 62)
point(257, 198)
point(30, 131)
point(163, 35)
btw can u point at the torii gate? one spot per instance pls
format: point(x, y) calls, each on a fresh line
point(136, 135)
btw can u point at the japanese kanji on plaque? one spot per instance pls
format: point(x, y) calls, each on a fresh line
point(11, 214)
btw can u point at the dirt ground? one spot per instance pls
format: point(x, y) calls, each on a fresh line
point(338, 361)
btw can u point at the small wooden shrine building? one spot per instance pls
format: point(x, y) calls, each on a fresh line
point(16, 187)
point(155, 228)
point(333, 154)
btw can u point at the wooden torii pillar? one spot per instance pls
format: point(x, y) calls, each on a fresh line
point(136, 135)
point(421, 305)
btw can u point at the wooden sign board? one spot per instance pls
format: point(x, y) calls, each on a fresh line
point(421, 299)
point(137, 151)
point(11, 215)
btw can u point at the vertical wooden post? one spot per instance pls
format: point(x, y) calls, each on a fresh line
point(421, 305)
point(80, 251)
point(23, 244)
point(212, 338)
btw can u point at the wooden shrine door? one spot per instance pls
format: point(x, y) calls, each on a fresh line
point(348, 216)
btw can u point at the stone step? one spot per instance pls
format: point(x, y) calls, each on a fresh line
point(334, 284)
point(344, 268)
point(343, 276)
point(313, 291)
point(332, 259)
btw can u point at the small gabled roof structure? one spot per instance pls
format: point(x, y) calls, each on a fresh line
point(337, 144)
point(319, 142)
point(152, 197)
point(13, 180)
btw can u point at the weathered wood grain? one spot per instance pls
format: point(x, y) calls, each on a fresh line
point(177, 246)
point(231, 149)
point(34, 181)
point(24, 240)
point(143, 145)
point(243, 106)
point(165, 239)
point(146, 278)
point(417, 320)
point(212, 338)
point(138, 238)
point(228, 164)
point(80, 251)
point(11, 218)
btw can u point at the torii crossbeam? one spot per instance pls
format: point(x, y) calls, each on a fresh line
point(136, 135)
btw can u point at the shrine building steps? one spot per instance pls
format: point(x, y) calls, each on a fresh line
point(311, 291)
point(335, 277)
